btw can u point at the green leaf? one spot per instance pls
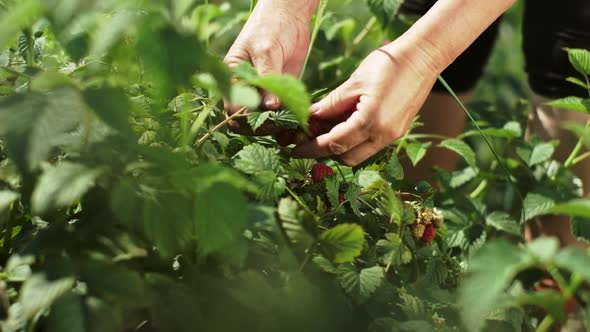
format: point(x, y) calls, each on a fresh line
point(297, 224)
point(536, 205)
point(490, 272)
point(333, 190)
point(48, 80)
point(18, 15)
point(114, 283)
point(61, 185)
point(463, 176)
point(390, 204)
point(385, 10)
point(370, 179)
point(290, 92)
point(257, 119)
point(416, 151)
point(31, 123)
point(360, 285)
point(342, 243)
point(549, 300)
point(147, 208)
point(578, 82)
point(325, 264)
point(542, 249)
point(255, 159)
point(572, 103)
point(67, 314)
point(245, 96)
point(111, 31)
point(111, 105)
point(580, 59)
point(7, 197)
point(436, 271)
point(353, 195)
point(575, 260)
point(502, 221)
point(392, 251)
point(38, 293)
point(574, 208)
point(461, 148)
point(541, 152)
point(394, 168)
point(217, 225)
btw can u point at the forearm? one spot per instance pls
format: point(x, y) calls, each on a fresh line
point(302, 9)
point(441, 35)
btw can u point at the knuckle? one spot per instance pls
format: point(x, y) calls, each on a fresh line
point(350, 162)
point(336, 148)
point(265, 47)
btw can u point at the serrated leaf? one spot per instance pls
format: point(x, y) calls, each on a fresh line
point(298, 226)
point(111, 105)
point(416, 151)
point(390, 205)
point(257, 119)
point(502, 221)
point(31, 123)
point(572, 103)
point(491, 270)
point(463, 176)
point(536, 205)
point(290, 92)
point(549, 300)
point(17, 16)
point(255, 159)
point(325, 264)
point(541, 152)
point(574, 208)
point(391, 249)
point(360, 285)
point(62, 185)
point(67, 314)
point(333, 190)
point(38, 293)
point(342, 243)
point(385, 10)
point(394, 168)
point(436, 271)
point(245, 96)
point(580, 59)
point(352, 195)
point(461, 148)
point(218, 226)
point(7, 197)
point(370, 179)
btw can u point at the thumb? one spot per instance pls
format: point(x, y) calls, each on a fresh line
point(340, 101)
point(268, 60)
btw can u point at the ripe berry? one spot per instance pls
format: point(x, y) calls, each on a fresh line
point(285, 137)
point(319, 171)
point(429, 233)
point(315, 127)
point(341, 198)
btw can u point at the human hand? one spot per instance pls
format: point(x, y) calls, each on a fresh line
point(275, 40)
point(387, 89)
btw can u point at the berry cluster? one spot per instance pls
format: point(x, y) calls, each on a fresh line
point(427, 222)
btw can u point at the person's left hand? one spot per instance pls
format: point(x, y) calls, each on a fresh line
point(387, 89)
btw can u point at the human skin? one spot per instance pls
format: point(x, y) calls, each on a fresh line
point(393, 82)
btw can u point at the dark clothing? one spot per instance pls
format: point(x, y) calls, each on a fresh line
point(549, 26)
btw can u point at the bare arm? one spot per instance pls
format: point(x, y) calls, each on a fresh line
point(447, 30)
point(391, 84)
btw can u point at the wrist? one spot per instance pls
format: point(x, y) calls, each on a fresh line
point(422, 55)
point(302, 10)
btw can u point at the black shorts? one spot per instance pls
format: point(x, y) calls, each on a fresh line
point(549, 26)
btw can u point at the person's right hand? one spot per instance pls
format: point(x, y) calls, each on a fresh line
point(275, 40)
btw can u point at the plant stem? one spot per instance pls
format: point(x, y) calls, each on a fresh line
point(357, 40)
point(477, 191)
point(220, 125)
point(307, 258)
point(488, 143)
point(545, 324)
point(581, 158)
point(569, 162)
point(319, 18)
point(298, 199)
point(252, 5)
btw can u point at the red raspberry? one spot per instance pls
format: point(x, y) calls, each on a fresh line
point(341, 198)
point(315, 126)
point(319, 171)
point(429, 233)
point(285, 137)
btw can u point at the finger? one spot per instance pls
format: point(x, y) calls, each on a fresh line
point(268, 60)
point(359, 153)
point(341, 100)
point(339, 140)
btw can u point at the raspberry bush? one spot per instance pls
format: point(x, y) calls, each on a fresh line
point(126, 203)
